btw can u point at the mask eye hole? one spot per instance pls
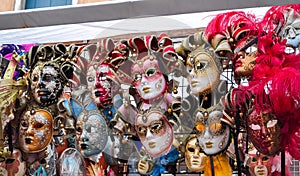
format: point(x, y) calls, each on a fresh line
point(150, 72)
point(35, 78)
point(142, 130)
point(190, 149)
point(79, 129)
point(47, 78)
point(24, 123)
point(200, 65)
point(38, 125)
point(137, 77)
point(91, 79)
point(255, 127)
point(216, 128)
point(254, 160)
point(271, 123)
point(9, 161)
point(156, 126)
point(265, 158)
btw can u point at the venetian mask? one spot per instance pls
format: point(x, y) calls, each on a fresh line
point(244, 60)
point(35, 130)
point(11, 165)
point(99, 79)
point(91, 133)
point(155, 132)
point(195, 159)
point(204, 73)
point(71, 163)
point(291, 30)
point(264, 132)
point(222, 49)
point(259, 164)
point(213, 135)
point(149, 81)
point(46, 85)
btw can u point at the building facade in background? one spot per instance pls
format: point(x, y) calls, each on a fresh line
point(13, 5)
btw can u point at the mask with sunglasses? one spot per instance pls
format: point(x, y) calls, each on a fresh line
point(195, 159)
point(12, 164)
point(155, 132)
point(213, 134)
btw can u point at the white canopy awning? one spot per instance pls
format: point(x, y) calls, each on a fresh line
point(110, 18)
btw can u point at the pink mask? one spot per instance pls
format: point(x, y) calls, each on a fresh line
point(259, 164)
point(148, 78)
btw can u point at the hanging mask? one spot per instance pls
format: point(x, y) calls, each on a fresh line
point(101, 82)
point(245, 58)
point(155, 132)
point(213, 135)
point(259, 164)
point(91, 133)
point(264, 132)
point(195, 159)
point(149, 81)
point(12, 165)
point(204, 71)
point(46, 85)
point(71, 163)
point(35, 130)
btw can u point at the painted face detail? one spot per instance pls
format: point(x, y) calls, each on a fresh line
point(153, 128)
point(204, 74)
point(71, 163)
point(100, 84)
point(244, 59)
point(13, 164)
point(213, 135)
point(264, 132)
point(148, 79)
point(195, 159)
point(91, 133)
point(259, 164)
point(46, 85)
point(35, 130)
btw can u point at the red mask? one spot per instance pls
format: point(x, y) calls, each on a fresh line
point(264, 132)
point(101, 83)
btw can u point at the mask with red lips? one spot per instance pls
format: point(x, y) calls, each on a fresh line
point(99, 78)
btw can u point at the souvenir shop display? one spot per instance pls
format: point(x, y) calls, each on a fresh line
point(224, 101)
